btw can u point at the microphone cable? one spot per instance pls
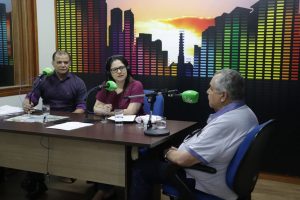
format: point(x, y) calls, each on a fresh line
point(46, 146)
point(19, 93)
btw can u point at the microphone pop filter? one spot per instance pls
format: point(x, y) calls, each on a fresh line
point(47, 71)
point(111, 86)
point(190, 96)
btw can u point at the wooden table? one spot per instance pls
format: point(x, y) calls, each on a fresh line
point(100, 153)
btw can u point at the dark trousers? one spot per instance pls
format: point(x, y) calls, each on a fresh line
point(32, 181)
point(2, 174)
point(146, 174)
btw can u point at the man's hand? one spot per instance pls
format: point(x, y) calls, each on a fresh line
point(166, 152)
point(28, 106)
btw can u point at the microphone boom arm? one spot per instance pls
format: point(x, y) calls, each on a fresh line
point(35, 87)
point(98, 87)
point(169, 93)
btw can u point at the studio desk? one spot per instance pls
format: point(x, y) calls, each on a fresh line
point(100, 153)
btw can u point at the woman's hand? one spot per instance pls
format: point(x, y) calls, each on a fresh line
point(107, 108)
point(102, 108)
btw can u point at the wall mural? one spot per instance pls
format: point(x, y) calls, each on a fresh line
point(6, 56)
point(180, 44)
point(262, 41)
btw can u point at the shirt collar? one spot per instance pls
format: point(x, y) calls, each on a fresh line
point(232, 106)
point(67, 77)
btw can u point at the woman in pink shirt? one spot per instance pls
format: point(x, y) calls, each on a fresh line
point(117, 70)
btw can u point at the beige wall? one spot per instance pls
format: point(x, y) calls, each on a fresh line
point(46, 31)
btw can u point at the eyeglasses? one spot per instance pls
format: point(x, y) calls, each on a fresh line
point(61, 62)
point(115, 70)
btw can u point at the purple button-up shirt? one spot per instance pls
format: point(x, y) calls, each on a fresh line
point(62, 95)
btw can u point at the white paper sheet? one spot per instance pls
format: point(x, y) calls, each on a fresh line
point(126, 118)
point(36, 118)
point(6, 110)
point(68, 126)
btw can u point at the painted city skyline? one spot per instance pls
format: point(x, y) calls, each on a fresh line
point(165, 19)
point(253, 40)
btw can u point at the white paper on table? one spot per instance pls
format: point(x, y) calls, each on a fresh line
point(126, 118)
point(6, 110)
point(35, 118)
point(68, 126)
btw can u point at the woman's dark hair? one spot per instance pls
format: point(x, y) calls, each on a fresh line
point(110, 60)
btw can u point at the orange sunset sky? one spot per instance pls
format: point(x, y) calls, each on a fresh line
point(165, 18)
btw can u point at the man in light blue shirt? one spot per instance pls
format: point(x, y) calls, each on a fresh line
point(214, 145)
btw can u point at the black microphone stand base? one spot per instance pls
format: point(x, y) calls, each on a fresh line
point(157, 132)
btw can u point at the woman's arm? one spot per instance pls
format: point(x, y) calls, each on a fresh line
point(135, 88)
point(132, 109)
point(101, 108)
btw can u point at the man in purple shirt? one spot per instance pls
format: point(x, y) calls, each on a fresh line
point(63, 91)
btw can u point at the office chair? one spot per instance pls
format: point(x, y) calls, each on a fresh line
point(158, 108)
point(242, 172)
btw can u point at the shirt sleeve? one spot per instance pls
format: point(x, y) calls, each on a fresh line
point(101, 96)
point(136, 88)
point(81, 95)
point(35, 94)
point(208, 145)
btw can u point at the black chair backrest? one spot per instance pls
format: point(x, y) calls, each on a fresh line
point(248, 170)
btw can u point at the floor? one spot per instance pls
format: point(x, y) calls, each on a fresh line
point(266, 189)
point(10, 188)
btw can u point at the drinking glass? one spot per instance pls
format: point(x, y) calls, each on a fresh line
point(119, 114)
point(141, 124)
point(161, 123)
point(46, 111)
point(104, 119)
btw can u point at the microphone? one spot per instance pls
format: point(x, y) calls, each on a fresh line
point(188, 96)
point(109, 86)
point(47, 71)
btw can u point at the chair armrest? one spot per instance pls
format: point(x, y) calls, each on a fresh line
point(203, 168)
point(173, 168)
point(184, 191)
